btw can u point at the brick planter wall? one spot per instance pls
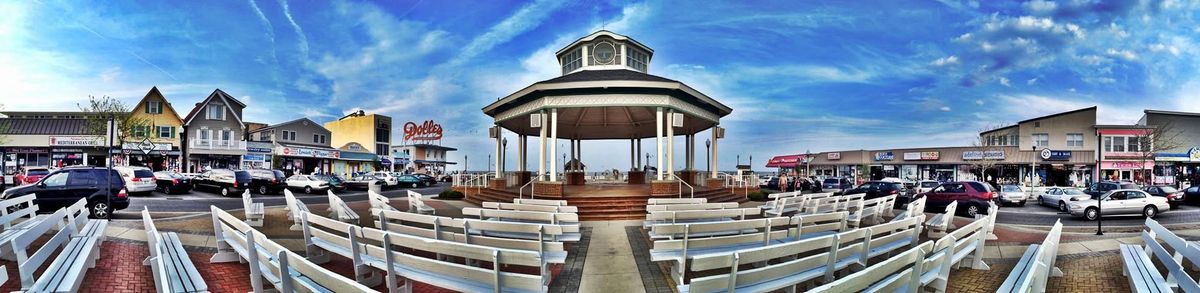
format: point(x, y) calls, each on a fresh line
point(689, 176)
point(466, 191)
point(575, 178)
point(524, 177)
point(548, 189)
point(637, 177)
point(498, 183)
point(664, 187)
point(715, 183)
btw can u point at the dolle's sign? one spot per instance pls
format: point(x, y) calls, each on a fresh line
point(425, 131)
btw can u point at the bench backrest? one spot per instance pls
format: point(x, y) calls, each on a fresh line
point(77, 215)
point(782, 205)
point(669, 201)
point(737, 227)
point(1031, 274)
point(27, 263)
point(450, 229)
point(414, 199)
point(339, 207)
point(893, 273)
point(289, 200)
point(1174, 268)
point(18, 215)
point(246, 202)
point(951, 210)
point(542, 217)
point(529, 207)
point(820, 224)
point(766, 230)
point(797, 256)
point(674, 216)
point(915, 208)
point(380, 202)
point(783, 194)
point(821, 205)
point(693, 207)
point(545, 202)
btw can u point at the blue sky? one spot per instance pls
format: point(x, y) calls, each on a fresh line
point(800, 75)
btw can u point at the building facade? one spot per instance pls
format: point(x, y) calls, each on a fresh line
point(214, 134)
point(156, 144)
point(299, 146)
point(371, 131)
point(423, 158)
point(354, 158)
point(1178, 160)
point(49, 142)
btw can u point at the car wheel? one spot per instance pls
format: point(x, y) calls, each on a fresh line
point(101, 210)
point(225, 191)
point(973, 210)
point(414, 185)
point(262, 189)
point(1149, 212)
point(1021, 204)
point(1091, 214)
point(1062, 206)
point(308, 190)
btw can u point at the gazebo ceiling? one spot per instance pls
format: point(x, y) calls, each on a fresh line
point(605, 122)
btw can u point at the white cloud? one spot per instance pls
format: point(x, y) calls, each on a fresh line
point(525, 19)
point(1160, 47)
point(1025, 106)
point(111, 74)
point(944, 109)
point(979, 102)
point(1123, 54)
point(1031, 81)
point(1004, 81)
point(944, 61)
point(314, 113)
point(303, 44)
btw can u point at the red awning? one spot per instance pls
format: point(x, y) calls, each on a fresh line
point(788, 161)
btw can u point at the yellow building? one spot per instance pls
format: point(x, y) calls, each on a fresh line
point(373, 132)
point(157, 144)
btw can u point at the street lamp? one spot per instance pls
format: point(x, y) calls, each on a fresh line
point(707, 156)
point(647, 162)
point(808, 158)
point(503, 156)
point(489, 163)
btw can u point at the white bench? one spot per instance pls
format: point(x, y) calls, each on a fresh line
point(67, 270)
point(775, 198)
point(913, 209)
point(1144, 276)
point(173, 270)
point(1036, 266)
point(294, 208)
point(373, 248)
point(339, 210)
point(692, 207)
point(867, 210)
point(784, 265)
point(963, 246)
point(254, 210)
point(529, 207)
point(674, 217)
point(544, 202)
point(568, 221)
point(416, 204)
point(486, 233)
point(899, 273)
point(16, 213)
point(379, 202)
point(940, 223)
point(286, 271)
point(670, 201)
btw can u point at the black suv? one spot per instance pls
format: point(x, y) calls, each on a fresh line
point(874, 189)
point(1100, 188)
point(64, 187)
point(264, 181)
point(225, 181)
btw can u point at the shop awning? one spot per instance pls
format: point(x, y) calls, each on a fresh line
point(385, 161)
point(788, 161)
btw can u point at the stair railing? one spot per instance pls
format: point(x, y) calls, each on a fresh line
point(691, 190)
point(521, 190)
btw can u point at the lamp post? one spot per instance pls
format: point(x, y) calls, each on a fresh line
point(489, 163)
point(503, 155)
point(464, 164)
point(808, 158)
point(707, 156)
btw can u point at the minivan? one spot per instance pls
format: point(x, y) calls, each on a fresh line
point(224, 181)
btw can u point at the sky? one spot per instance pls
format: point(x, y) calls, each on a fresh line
point(799, 75)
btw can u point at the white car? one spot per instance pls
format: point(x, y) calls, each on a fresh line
point(388, 178)
point(1120, 202)
point(1059, 197)
point(1012, 194)
point(309, 184)
point(924, 186)
point(137, 179)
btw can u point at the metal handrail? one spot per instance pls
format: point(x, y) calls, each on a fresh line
point(681, 184)
point(521, 191)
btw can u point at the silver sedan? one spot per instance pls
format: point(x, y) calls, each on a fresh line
point(1120, 202)
point(1058, 197)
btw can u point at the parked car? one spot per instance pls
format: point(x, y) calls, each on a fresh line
point(1100, 188)
point(763, 182)
point(1059, 197)
point(64, 187)
point(874, 189)
point(225, 182)
point(429, 180)
point(445, 178)
point(1192, 194)
point(1011, 194)
point(31, 175)
point(172, 182)
point(924, 186)
point(836, 185)
point(363, 182)
point(972, 197)
point(409, 180)
point(138, 180)
point(308, 183)
point(388, 179)
point(1174, 196)
point(1120, 202)
point(267, 181)
point(335, 183)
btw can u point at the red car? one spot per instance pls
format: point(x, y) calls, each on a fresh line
point(972, 197)
point(32, 175)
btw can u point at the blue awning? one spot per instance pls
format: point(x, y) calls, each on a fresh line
point(385, 161)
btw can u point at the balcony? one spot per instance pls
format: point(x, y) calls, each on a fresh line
point(210, 144)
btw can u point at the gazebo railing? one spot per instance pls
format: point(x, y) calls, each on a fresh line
point(691, 190)
point(744, 182)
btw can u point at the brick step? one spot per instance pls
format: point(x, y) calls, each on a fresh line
point(612, 217)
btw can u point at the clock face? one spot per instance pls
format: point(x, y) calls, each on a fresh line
point(604, 52)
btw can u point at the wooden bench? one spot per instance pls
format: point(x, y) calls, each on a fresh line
point(940, 223)
point(379, 202)
point(692, 207)
point(254, 210)
point(416, 204)
point(19, 212)
point(77, 215)
point(1144, 276)
point(1036, 266)
point(294, 208)
point(899, 273)
point(963, 246)
point(775, 199)
point(544, 202)
point(486, 233)
point(913, 209)
point(529, 207)
point(674, 217)
point(286, 271)
point(378, 249)
point(784, 265)
point(173, 270)
point(67, 270)
point(339, 210)
point(888, 207)
point(568, 221)
point(865, 211)
point(670, 201)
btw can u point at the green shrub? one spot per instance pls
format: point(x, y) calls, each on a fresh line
point(450, 194)
point(757, 196)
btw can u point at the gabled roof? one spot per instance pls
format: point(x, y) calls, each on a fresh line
point(1058, 114)
point(154, 91)
point(999, 129)
point(216, 94)
point(277, 125)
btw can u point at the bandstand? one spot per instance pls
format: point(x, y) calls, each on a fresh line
point(606, 93)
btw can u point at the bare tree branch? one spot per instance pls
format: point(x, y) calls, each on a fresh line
point(106, 107)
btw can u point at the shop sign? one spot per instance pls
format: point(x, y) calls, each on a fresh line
point(1052, 155)
point(426, 131)
point(307, 152)
point(1194, 154)
point(153, 146)
point(884, 156)
point(258, 150)
point(256, 157)
point(67, 150)
point(982, 155)
point(25, 151)
point(922, 156)
point(833, 156)
point(76, 141)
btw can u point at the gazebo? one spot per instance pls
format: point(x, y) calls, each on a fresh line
point(606, 93)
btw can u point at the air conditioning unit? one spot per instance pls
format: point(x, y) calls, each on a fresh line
point(720, 131)
point(494, 132)
point(535, 120)
point(677, 120)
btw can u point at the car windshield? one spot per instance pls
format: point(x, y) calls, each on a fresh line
point(242, 175)
point(37, 172)
point(929, 184)
point(1168, 189)
point(1010, 188)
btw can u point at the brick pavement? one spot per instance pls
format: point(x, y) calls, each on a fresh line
point(120, 269)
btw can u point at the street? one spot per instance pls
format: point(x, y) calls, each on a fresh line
point(1034, 214)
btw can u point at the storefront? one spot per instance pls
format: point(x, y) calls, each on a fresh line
point(1178, 169)
point(353, 159)
point(258, 155)
point(306, 160)
point(789, 164)
point(156, 156)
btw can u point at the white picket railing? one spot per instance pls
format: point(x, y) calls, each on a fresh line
point(742, 182)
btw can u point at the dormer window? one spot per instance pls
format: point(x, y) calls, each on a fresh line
point(572, 60)
point(603, 53)
point(216, 112)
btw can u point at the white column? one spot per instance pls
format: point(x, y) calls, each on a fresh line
point(521, 153)
point(541, 175)
point(691, 151)
point(553, 145)
point(671, 144)
point(714, 152)
point(632, 155)
point(638, 154)
point(658, 140)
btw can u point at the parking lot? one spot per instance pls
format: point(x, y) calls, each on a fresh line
point(199, 201)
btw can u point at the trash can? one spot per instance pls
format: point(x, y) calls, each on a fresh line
point(376, 187)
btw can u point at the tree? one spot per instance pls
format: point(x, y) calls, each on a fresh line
point(986, 146)
point(1154, 139)
point(101, 109)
